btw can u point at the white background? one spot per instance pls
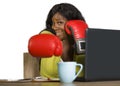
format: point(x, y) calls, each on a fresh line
point(20, 19)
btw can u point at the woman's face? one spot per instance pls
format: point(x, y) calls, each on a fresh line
point(58, 22)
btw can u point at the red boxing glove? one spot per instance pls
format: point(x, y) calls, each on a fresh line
point(44, 45)
point(77, 29)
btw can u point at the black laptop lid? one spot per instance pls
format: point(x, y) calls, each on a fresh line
point(102, 60)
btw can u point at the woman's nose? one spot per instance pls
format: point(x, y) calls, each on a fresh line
point(55, 27)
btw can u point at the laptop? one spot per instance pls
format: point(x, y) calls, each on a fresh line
point(102, 61)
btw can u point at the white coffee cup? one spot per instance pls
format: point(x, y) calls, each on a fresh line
point(67, 71)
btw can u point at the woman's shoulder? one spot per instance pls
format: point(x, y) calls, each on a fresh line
point(46, 31)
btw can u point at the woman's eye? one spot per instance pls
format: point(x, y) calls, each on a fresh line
point(59, 22)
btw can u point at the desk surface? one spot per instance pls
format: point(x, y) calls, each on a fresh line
point(97, 83)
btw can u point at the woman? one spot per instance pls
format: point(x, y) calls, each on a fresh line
point(57, 17)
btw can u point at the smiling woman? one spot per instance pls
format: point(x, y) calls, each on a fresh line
point(58, 17)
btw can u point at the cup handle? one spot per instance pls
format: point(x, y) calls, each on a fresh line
point(81, 67)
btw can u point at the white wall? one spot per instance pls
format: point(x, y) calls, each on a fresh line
point(20, 19)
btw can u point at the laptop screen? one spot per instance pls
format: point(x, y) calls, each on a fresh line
point(102, 61)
